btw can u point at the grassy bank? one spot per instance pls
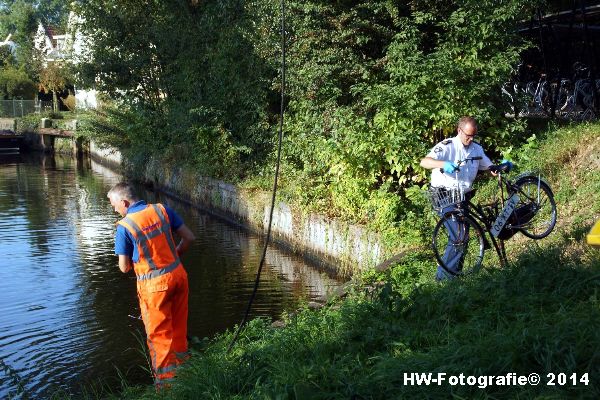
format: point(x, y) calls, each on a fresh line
point(540, 315)
point(530, 318)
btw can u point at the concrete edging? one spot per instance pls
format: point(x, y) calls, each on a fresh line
point(350, 248)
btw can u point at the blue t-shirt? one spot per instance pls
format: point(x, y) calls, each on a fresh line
point(124, 241)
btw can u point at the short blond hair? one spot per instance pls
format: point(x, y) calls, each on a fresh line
point(466, 120)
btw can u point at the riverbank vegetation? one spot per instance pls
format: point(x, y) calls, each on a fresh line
point(538, 315)
point(371, 86)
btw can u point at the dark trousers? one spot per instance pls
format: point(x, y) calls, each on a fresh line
point(458, 238)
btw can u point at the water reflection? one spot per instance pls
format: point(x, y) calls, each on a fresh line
point(64, 304)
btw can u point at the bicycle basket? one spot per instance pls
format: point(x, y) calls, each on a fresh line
point(441, 198)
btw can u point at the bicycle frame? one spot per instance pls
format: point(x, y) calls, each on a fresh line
point(485, 215)
point(478, 213)
point(511, 211)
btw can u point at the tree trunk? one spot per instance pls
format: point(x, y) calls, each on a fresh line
point(54, 101)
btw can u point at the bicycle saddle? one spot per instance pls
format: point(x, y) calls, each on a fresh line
point(500, 167)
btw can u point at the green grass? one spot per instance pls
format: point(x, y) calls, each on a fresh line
point(541, 315)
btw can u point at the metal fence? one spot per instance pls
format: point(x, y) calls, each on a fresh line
point(19, 108)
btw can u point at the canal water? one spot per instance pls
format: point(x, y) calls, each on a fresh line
point(68, 315)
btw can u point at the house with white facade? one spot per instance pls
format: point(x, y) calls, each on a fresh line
point(51, 43)
point(57, 46)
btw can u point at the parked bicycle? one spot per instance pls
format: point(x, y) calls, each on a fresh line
point(465, 229)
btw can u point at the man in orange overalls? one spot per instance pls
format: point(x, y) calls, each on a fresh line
point(144, 241)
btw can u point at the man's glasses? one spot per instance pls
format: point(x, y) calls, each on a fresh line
point(469, 136)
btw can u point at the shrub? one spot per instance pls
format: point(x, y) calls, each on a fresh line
point(15, 83)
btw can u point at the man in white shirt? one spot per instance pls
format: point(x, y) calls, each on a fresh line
point(443, 160)
point(445, 155)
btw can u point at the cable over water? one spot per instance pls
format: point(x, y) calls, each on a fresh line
point(64, 304)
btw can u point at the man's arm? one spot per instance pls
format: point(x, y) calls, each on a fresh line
point(125, 263)
point(124, 248)
point(187, 237)
point(431, 163)
point(485, 163)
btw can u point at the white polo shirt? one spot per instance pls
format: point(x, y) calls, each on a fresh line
point(453, 150)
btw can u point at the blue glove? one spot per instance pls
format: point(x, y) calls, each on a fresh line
point(450, 167)
point(510, 164)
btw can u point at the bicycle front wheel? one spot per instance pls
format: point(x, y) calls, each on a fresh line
point(458, 244)
point(535, 213)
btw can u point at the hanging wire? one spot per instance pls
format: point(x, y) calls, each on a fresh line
point(274, 192)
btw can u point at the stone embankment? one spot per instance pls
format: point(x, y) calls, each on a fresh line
point(345, 247)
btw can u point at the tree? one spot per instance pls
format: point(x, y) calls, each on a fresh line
point(15, 83)
point(192, 70)
point(6, 57)
point(21, 18)
point(22, 22)
point(53, 12)
point(54, 78)
point(370, 85)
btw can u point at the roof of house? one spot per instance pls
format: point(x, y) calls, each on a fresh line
point(52, 31)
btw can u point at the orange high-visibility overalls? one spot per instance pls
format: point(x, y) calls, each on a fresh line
point(162, 288)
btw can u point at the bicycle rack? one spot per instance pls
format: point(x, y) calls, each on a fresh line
point(563, 38)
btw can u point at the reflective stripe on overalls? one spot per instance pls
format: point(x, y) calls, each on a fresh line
point(162, 289)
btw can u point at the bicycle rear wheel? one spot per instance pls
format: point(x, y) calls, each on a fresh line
point(535, 213)
point(458, 244)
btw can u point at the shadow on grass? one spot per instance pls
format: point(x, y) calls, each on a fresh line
point(541, 315)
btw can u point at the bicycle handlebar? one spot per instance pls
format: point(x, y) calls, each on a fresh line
point(504, 167)
point(461, 162)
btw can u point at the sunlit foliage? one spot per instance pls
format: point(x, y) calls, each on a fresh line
point(371, 85)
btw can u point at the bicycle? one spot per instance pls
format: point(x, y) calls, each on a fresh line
point(528, 207)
